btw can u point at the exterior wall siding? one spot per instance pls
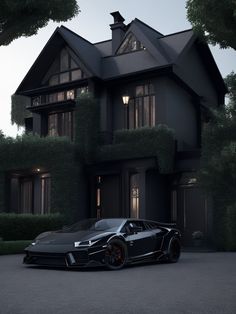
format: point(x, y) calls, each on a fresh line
point(181, 115)
point(192, 70)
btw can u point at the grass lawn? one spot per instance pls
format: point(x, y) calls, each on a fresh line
point(13, 247)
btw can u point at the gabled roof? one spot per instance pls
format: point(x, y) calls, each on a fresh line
point(85, 51)
point(160, 52)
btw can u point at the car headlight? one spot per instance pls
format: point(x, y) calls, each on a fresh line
point(85, 243)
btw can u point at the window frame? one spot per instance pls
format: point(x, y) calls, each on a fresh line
point(61, 122)
point(136, 109)
point(29, 198)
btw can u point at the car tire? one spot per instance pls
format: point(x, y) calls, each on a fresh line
point(115, 254)
point(174, 250)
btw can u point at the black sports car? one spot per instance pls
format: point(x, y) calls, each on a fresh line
point(110, 242)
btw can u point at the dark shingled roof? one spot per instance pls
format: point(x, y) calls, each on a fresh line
point(160, 51)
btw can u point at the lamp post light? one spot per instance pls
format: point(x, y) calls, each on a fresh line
point(125, 99)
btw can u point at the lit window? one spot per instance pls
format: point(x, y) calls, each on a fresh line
point(134, 196)
point(70, 94)
point(98, 197)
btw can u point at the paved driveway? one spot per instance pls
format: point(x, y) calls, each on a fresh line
point(199, 283)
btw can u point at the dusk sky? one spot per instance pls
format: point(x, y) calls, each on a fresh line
point(92, 23)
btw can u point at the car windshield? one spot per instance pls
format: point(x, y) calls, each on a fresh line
point(110, 225)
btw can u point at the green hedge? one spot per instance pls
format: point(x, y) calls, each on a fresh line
point(27, 226)
point(56, 155)
point(144, 142)
point(13, 247)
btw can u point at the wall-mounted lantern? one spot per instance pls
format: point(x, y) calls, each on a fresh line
point(125, 99)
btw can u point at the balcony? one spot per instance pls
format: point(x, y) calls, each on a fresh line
point(57, 99)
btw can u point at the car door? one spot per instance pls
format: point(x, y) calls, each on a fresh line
point(139, 243)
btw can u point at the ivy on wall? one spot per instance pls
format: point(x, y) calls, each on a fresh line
point(19, 112)
point(54, 154)
point(87, 119)
point(65, 160)
point(157, 142)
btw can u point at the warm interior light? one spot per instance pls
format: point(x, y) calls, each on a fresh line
point(125, 99)
point(38, 169)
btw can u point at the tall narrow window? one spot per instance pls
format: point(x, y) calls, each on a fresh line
point(26, 195)
point(61, 124)
point(64, 60)
point(30, 193)
point(45, 194)
point(52, 125)
point(142, 107)
point(174, 206)
point(98, 197)
point(134, 196)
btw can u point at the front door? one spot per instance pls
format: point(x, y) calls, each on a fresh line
point(191, 213)
point(110, 196)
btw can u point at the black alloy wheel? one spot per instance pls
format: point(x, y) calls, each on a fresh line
point(116, 254)
point(174, 250)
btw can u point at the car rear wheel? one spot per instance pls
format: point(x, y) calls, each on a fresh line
point(116, 254)
point(174, 250)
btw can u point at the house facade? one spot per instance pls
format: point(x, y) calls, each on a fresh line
point(143, 81)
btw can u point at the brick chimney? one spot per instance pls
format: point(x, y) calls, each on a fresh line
point(118, 30)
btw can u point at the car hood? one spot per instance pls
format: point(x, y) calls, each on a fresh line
point(60, 237)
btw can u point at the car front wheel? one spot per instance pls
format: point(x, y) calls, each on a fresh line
point(174, 250)
point(116, 254)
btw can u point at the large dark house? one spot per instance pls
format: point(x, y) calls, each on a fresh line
point(146, 84)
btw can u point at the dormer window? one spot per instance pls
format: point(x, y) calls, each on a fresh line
point(67, 70)
point(130, 44)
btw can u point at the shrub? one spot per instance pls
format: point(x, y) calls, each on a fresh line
point(13, 247)
point(27, 226)
point(230, 226)
point(56, 155)
point(143, 142)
